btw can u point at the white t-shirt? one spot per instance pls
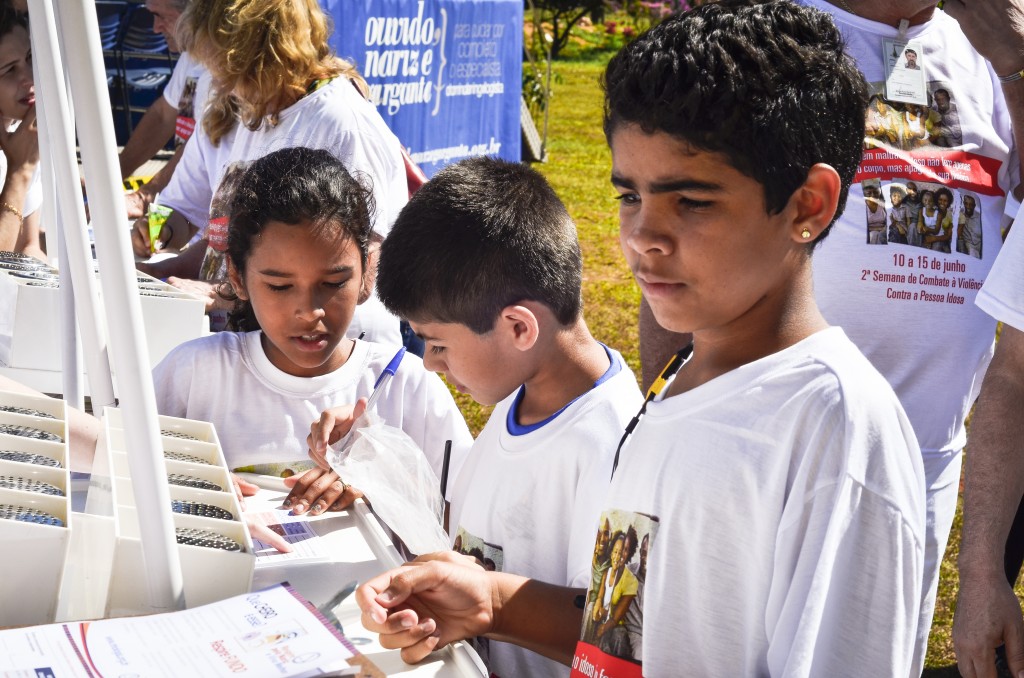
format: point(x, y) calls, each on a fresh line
point(1002, 297)
point(263, 415)
point(334, 118)
point(781, 509)
point(530, 501)
point(186, 92)
point(934, 345)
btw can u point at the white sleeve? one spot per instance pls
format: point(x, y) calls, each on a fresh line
point(1002, 295)
point(589, 502)
point(369, 157)
point(176, 85)
point(189, 190)
point(826, 617)
point(172, 378)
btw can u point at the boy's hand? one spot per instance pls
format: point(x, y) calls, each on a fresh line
point(318, 490)
point(330, 427)
point(427, 604)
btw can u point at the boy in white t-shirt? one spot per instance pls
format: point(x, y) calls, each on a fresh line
point(766, 516)
point(490, 279)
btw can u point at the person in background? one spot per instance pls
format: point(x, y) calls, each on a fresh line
point(276, 84)
point(176, 113)
point(21, 195)
point(298, 253)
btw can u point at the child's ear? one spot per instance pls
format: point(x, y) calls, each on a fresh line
point(815, 203)
point(236, 282)
point(522, 325)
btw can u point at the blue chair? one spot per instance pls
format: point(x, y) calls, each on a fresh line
point(145, 63)
point(111, 15)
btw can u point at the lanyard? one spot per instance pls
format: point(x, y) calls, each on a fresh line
point(674, 365)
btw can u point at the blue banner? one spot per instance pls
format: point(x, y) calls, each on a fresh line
point(445, 74)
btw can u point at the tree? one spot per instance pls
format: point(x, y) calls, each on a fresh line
point(562, 15)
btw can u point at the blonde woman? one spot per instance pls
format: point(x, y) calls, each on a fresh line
point(275, 84)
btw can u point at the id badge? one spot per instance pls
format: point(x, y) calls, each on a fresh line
point(904, 71)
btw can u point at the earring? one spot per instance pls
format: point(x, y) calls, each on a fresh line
point(805, 234)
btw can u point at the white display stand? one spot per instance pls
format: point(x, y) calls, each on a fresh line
point(210, 574)
point(32, 577)
point(29, 333)
point(352, 547)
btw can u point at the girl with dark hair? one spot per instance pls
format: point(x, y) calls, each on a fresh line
point(297, 250)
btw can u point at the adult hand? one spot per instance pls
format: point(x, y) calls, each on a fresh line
point(140, 237)
point(318, 490)
point(329, 429)
point(135, 205)
point(22, 145)
point(198, 288)
point(988, 615)
point(995, 29)
point(427, 604)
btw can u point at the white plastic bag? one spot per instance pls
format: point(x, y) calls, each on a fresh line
point(388, 467)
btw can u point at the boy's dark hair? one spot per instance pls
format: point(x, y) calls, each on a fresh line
point(10, 18)
point(292, 186)
point(482, 234)
point(767, 85)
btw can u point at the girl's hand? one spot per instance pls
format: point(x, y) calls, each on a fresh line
point(318, 490)
point(22, 145)
point(266, 535)
point(329, 428)
point(243, 488)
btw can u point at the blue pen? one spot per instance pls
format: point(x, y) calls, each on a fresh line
point(385, 377)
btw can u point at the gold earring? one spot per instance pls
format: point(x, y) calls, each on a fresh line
point(805, 234)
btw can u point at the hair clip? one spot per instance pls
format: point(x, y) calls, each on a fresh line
point(29, 515)
point(192, 536)
point(29, 458)
point(176, 434)
point(28, 485)
point(189, 458)
point(194, 508)
point(29, 432)
point(192, 481)
point(26, 410)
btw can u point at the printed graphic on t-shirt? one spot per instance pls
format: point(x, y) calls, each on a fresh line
point(611, 643)
point(491, 556)
point(925, 188)
point(215, 266)
point(185, 123)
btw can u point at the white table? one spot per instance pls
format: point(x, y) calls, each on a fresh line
point(356, 549)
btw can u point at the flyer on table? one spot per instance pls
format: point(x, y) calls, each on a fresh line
point(265, 633)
